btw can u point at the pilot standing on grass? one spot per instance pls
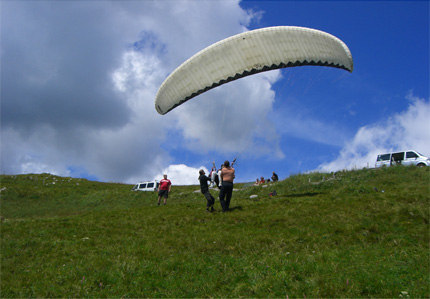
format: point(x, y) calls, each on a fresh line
point(227, 177)
point(164, 189)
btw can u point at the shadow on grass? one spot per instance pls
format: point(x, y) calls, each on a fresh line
point(239, 208)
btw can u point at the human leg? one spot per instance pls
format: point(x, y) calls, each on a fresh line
point(164, 194)
point(212, 203)
point(222, 194)
point(165, 197)
point(229, 193)
point(209, 200)
point(159, 197)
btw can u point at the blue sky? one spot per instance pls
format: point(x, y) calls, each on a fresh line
point(79, 81)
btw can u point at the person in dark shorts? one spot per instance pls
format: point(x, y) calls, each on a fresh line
point(164, 189)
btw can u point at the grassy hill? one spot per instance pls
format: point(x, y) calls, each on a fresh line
point(361, 233)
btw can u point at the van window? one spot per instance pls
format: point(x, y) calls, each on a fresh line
point(150, 185)
point(411, 155)
point(385, 157)
point(142, 186)
point(398, 156)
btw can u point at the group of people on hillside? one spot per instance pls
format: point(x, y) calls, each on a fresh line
point(224, 180)
point(261, 180)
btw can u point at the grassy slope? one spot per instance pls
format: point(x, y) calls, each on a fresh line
point(361, 234)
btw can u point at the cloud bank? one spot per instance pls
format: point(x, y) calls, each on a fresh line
point(79, 80)
point(408, 130)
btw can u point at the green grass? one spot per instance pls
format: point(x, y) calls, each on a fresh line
point(362, 233)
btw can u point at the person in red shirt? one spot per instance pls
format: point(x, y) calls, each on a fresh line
point(164, 189)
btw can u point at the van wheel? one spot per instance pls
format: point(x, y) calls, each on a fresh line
point(421, 165)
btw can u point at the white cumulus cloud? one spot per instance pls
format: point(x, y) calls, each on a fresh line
point(408, 130)
point(181, 174)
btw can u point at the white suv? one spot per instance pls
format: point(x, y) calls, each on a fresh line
point(403, 158)
point(146, 186)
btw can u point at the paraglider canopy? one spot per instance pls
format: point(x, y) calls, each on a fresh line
point(250, 53)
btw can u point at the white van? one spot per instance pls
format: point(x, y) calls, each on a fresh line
point(403, 158)
point(146, 186)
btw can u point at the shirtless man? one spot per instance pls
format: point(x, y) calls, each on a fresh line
point(227, 177)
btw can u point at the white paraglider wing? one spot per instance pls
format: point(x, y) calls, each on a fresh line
point(250, 53)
